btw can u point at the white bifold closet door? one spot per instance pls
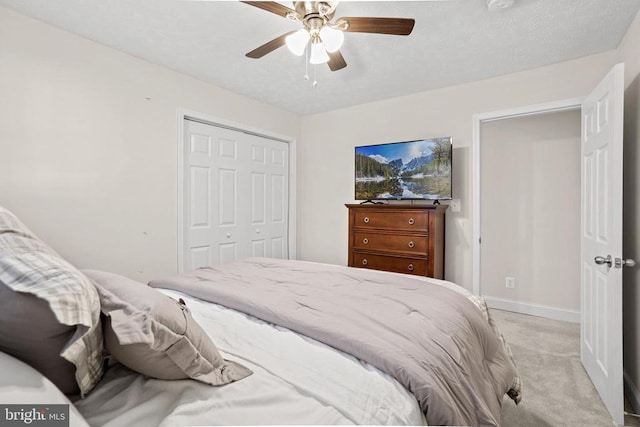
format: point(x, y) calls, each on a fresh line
point(235, 196)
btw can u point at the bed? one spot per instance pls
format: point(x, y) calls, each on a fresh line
point(296, 343)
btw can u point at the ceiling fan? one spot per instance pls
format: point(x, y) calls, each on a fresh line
point(325, 34)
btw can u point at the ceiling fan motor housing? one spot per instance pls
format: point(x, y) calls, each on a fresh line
point(324, 9)
point(314, 15)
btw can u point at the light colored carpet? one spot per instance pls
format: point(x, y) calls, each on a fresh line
point(556, 390)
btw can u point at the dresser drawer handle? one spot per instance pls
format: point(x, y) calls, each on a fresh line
point(364, 262)
point(365, 240)
point(411, 244)
point(366, 220)
point(410, 267)
point(411, 221)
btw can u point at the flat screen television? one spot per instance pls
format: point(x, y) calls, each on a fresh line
point(409, 170)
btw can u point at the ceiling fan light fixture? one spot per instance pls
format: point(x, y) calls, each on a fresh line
point(332, 38)
point(297, 41)
point(319, 54)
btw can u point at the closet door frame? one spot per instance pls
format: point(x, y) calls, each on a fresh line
point(184, 114)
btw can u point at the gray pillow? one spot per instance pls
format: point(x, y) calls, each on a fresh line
point(49, 311)
point(155, 335)
point(31, 333)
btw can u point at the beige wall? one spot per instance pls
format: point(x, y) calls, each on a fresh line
point(530, 204)
point(330, 138)
point(88, 145)
point(630, 55)
point(91, 128)
point(628, 51)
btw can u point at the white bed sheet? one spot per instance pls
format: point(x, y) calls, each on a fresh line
point(296, 380)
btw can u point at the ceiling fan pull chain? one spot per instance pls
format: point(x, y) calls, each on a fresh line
point(315, 81)
point(306, 63)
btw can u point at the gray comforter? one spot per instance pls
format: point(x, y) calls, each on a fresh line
point(431, 339)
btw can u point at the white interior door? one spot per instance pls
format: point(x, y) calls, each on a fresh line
point(235, 196)
point(601, 240)
point(268, 199)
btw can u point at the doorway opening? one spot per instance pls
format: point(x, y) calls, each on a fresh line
point(530, 214)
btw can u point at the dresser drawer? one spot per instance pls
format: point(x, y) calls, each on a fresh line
point(407, 243)
point(396, 220)
point(390, 263)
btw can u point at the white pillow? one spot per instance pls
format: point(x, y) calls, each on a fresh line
point(23, 385)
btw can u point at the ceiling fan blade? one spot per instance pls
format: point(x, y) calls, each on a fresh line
point(336, 61)
point(269, 47)
point(272, 6)
point(396, 26)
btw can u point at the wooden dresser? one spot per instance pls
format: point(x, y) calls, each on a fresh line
point(399, 238)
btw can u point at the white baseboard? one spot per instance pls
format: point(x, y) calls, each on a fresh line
point(534, 309)
point(632, 393)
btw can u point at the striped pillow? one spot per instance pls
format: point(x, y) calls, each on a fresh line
point(28, 267)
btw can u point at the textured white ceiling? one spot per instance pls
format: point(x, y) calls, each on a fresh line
point(453, 42)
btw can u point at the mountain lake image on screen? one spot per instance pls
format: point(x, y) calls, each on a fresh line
point(404, 170)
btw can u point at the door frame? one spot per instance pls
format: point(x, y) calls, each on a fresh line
point(183, 114)
point(478, 120)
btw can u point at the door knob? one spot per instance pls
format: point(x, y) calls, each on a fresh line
point(619, 263)
point(602, 260)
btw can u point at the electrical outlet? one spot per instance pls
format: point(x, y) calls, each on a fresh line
point(510, 282)
point(454, 205)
